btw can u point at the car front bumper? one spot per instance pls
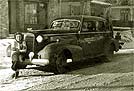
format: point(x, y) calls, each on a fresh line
point(39, 62)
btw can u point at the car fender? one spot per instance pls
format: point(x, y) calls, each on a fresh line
point(53, 49)
point(76, 51)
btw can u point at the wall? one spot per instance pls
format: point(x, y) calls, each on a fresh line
point(96, 11)
point(12, 16)
point(133, 13)
point(4, 24)
point(121, 17)
point(16, 16)
point(53, 10)
point(20, 17)
point(115, 14)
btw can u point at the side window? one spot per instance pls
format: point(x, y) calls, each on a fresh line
point(89, 26)
point(100, 26)
point(30, 13)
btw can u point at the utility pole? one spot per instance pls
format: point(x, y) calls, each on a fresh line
point(60, 1)
point(0, 25)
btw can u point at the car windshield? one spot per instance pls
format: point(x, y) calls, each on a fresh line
point(65, 24)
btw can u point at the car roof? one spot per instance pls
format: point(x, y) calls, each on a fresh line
point(80, 17)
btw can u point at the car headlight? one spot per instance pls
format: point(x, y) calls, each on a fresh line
point(19, 37)
point(39, 39)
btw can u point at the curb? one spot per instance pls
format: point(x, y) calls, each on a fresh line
point(125, 51)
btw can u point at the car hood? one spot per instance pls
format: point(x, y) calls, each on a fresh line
point(53, 31)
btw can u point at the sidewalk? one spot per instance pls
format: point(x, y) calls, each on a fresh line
point(125, 51)
point(5, 62)
point(7, 41)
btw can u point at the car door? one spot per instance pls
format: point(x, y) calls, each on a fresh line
point(91, 38)
point(100, 36)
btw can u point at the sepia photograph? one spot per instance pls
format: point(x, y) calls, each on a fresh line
point(66, 45)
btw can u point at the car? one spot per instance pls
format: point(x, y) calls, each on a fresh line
point(69, 39)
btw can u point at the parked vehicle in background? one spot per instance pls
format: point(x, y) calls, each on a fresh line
point(69, 39)
point(5, 48)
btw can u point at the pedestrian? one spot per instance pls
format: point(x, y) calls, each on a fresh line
point(19, 55)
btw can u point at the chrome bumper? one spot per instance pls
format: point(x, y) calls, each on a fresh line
point(39, 62)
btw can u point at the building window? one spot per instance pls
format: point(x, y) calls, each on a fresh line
point(93, 11)
point(124, 2)
point(31, 13)
point(133, 14)
point(125, 14)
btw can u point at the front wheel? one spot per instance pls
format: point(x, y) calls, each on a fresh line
point(61, 63)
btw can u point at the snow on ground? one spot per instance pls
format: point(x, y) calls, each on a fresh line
point(128, 38)
point(112, 76)
point(5, 62)
point(116, 75)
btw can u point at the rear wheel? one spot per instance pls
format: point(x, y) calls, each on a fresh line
point(109, 51)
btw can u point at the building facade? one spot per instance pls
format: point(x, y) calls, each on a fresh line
point(37, 14)
point(122, 13)
point(4, 20)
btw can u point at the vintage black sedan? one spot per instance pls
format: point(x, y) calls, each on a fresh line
point(69, 39)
